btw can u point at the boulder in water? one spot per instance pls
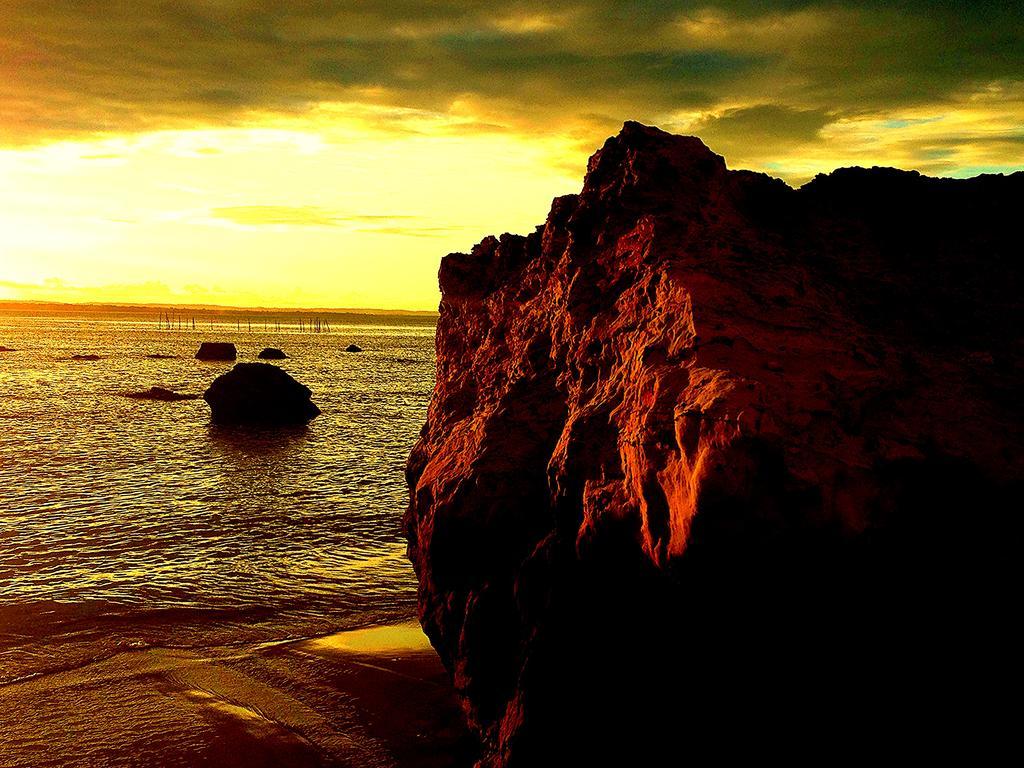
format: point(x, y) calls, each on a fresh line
point(259, 393)
point(89, 358)
point(158, 356)
point(7, 349)
point(159, 393)
point(271, 353)
point(216, 350)
point(353, 348)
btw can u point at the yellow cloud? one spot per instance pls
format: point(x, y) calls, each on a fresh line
point(522, 23)
point(774, 31)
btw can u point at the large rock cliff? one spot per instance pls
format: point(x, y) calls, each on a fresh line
point(716, 463)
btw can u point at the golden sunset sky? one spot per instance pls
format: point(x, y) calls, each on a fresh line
point(328, 154)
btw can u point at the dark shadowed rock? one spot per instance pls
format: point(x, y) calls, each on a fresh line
point(161, 357)
point(271, 353)
point(716, 464)
point(353, 348)
point(7, 349)
point(259, 393)
point(216, 350)
point(85, 357)
point(159, 393)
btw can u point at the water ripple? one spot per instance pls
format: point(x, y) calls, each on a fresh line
point(128, 509)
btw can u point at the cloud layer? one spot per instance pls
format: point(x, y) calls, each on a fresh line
point(733, 71)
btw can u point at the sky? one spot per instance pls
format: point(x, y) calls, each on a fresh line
point(328, 154)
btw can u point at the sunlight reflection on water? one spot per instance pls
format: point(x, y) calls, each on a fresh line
point(119, 512)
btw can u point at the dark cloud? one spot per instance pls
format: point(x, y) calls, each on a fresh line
point(94, 66)
point(776, 128)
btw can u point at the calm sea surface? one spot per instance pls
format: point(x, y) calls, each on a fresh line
point(131, 523)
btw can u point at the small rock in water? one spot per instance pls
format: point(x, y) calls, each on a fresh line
point(216, 350)
point(259, 393)
point(159, 393)
point(161, 357)
point(353, 348)
point(85, 357)
point(272, 353)
point(7, 349)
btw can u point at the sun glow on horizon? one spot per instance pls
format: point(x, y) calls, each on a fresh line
point(288, 213)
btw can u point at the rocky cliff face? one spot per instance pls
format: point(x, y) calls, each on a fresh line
point(713, 461)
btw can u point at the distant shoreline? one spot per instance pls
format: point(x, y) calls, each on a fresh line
point(11, 305)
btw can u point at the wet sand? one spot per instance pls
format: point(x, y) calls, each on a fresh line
point(371, 697)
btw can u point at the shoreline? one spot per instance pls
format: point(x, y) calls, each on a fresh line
point(375, 696)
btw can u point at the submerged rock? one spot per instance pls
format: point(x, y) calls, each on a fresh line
point(161, 357)
point(216, 350)
point(85, 357)
point(159, 393)
point(271, 353)
point(711, 462)
point(7, 349)
point(353, 348)
point(259, 393)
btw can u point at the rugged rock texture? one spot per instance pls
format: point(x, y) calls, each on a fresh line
point(353, 348)
point(259, 393)
point(216, 350)
point(713, 463)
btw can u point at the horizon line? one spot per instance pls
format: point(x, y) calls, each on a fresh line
point(224, 307)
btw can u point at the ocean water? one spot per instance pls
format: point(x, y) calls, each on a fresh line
point(130, 524)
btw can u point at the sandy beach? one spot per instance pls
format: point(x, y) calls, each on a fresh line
point(370, 697)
